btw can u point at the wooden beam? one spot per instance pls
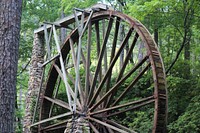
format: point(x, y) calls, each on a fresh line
point(66, 21)
point(50, 119)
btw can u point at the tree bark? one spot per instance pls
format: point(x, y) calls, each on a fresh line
point(10, 18)
point(63, 31)
point(156, 35)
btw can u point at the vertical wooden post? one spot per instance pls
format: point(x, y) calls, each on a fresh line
point(35, 77)
point(121, 38)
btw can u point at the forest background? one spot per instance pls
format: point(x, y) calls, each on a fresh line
point(175, 25)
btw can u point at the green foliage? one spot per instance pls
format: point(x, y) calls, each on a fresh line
point(140, 9)
point(169, 17)
point(189, 120)
point(183, 81)
point(68, 5)
point(141, 121)
point(19, 113)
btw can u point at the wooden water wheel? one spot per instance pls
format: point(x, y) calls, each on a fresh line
point(107, 77)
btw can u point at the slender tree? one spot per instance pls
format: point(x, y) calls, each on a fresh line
point(10, 16)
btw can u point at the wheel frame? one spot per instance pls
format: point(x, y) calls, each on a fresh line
point(160, 93)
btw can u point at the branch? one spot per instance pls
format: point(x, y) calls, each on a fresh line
point(24, 68)
point(22, 84)
point(185, 41)
point(177, 55)
point(176, 27)
point(187, 24)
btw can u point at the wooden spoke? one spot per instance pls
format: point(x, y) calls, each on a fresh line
point(131, 84)
point(81, 32)
point(110, 67)
point(58, 102)
point(55, 128)
point(61, 76)
point(50, 60)
point(116, 86)
point(127, 57)
point(104, 129)
point(81, 92)
point(55, 95)
point(93, 128)
point(120, 126)
point(98, 46)
point(70, 89)
point(85, 79)
point(108, 125)
point(110, 130)
point(88, 21)
point(127, 75)
point(57, 125)
point(122, 105)
point(75, 65)
point(124, 64)
point(100, 58)
point(77, 79)
point(84, 63)
point(72, 51)
point(70, 77)
point(105, 51)
point(113, 52)
point(87, 82)
point(131, 108)
point(52, 118)
point(59, 71)
point(62, 65)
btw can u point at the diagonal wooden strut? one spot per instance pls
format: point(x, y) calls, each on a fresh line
point(62, 67)
point(81, 29)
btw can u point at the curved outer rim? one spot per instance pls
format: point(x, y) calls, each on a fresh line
point(160, 92)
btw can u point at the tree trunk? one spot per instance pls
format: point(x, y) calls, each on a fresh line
point(189, 17)
point(156, 35)
point(187, 57)
point(63, 31)
point(10, 18)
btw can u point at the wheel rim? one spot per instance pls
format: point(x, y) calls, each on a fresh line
point(101, 103)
